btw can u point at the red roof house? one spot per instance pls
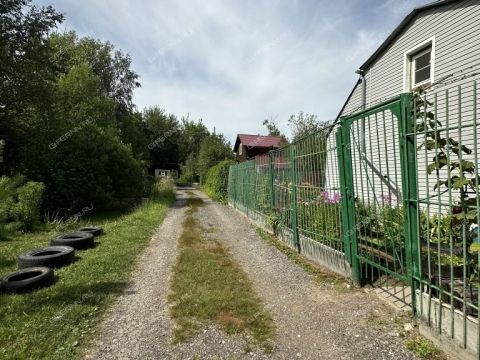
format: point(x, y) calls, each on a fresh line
point(249, 146)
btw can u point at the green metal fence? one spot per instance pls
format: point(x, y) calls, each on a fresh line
point(389, 195)
point(295, 192)
point(445, 134)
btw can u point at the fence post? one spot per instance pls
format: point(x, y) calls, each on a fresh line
point(294, 196)
point(343, 196)
point(347, 202)
point(272, 180)
point(408, 157)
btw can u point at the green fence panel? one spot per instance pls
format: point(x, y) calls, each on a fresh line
point(394, 192)
point(445, 134)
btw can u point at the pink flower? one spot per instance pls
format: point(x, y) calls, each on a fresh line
point(327, 199)
point(386, 198)
point(335, 199)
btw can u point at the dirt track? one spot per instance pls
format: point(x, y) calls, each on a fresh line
point(313, 321)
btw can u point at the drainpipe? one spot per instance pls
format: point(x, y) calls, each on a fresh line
point(364, 104)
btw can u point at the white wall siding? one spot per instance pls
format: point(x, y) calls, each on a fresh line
point(455, 28)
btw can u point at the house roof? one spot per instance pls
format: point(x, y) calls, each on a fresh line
point(257, 141)
point(401, 27)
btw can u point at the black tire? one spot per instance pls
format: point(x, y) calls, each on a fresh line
point(51, 256)
point(95, 231)
point(77, 240)
point(27, 279)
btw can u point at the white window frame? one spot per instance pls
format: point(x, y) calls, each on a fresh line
point(240, 147)
point(408, 58)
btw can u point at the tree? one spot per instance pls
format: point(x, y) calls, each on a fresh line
point(77, 151)
point(163, 134)
point(192, 135)
point(111, 66)
point(304, 124)
point(133, 131)
point(189, 170)
point(2, 146)
point(213, 149)
point(273, 130)
point(26, 74)
point(271, 126)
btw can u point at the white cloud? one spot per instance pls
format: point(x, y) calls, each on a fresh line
point(234, 63)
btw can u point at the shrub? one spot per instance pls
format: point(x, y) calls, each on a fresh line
point(7, 191)
point(216, 181)
point(19, 204)
point(26, 211)
point(163, 190)
point(92, 167)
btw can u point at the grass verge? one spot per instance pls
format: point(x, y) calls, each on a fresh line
point(209, 286)
point(58, 322)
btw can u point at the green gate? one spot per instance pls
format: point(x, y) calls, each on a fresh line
point(378, 188)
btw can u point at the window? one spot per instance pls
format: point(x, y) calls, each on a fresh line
point(240, 149)
point(421, 68)
point(419, 65)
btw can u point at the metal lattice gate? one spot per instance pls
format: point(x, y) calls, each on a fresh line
point(375, 185)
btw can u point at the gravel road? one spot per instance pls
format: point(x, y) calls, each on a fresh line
point(313, 321)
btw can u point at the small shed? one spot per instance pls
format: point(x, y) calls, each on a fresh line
point(166, 173)
point(249, 146)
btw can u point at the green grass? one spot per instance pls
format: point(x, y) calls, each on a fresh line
point(424, 348)
point(209, 286)
point(58, 322)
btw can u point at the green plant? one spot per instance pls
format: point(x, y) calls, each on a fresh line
point(273, 220)
point(381, 221)
point(162, 189)
point(26, 210)
point(209, 286)
point(423, 348)
point(58, 322)
point(459, 180)
point(215, 184)
point(319, 214)
point(19, 204)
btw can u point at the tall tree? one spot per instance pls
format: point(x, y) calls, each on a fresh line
point(273, 130)
point(163, 133)
point(213, 149)
point(26, 75)
point(272, 127)
point(111, 66)
point(192, 135)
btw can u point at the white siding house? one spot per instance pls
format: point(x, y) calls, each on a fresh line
point(435, 45)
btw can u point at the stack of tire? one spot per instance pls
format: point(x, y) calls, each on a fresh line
point(36, 267)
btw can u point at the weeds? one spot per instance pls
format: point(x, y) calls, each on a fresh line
point(424, 348)
point(209, 286)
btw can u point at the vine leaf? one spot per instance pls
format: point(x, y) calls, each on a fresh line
point(461, 182)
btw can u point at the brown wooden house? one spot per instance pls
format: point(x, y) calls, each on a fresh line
point(249, 146)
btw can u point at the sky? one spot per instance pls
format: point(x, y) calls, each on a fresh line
point(234, 63)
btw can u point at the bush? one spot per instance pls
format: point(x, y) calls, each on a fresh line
point(26, 210)
point(216, 181)
point(319, 214)
point(7, 191)
point(163, 190)
point(93, 167)
point(19, 204)
point(80, 156)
